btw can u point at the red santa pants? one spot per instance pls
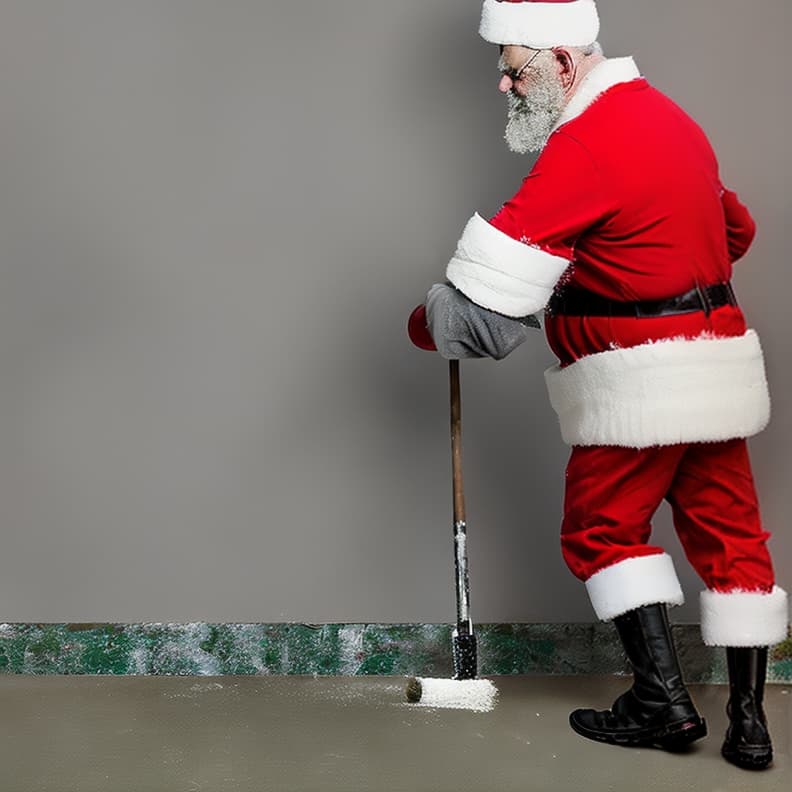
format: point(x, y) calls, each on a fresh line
point(613, 492)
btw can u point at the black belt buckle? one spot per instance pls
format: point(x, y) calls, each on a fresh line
point(706, 305)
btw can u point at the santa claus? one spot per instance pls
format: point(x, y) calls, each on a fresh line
point(624, 236)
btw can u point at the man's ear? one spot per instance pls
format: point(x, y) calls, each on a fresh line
point(567, 68)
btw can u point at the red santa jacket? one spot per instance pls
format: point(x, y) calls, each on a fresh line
point(626, 201)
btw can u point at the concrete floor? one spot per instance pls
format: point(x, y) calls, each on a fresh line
point(305, 734)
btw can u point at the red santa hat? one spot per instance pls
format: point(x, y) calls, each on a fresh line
point(540, 24)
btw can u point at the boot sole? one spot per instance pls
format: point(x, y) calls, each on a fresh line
point(748, 758)
point(673, 737)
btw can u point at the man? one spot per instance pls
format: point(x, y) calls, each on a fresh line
point(624, 233)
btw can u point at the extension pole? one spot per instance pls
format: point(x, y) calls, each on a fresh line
point(464, 640)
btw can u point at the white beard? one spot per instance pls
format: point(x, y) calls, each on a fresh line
point(531, 118)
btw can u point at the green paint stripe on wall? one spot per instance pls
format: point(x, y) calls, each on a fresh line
point(202, 649)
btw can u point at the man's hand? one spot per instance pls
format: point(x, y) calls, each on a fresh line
point(462, 329)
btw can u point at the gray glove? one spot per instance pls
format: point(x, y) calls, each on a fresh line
point(462, 329)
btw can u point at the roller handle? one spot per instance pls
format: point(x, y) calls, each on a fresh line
point(464, 640)
point(456, 441)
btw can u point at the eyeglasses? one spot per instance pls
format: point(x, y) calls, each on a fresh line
point(515, 75)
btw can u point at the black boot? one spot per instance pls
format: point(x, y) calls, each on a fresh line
point(747, 741)
point(657, 710)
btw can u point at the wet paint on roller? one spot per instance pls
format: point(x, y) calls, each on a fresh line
point(202, 649)
point(478, 695)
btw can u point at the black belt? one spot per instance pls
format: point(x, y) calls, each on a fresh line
point(570, 301)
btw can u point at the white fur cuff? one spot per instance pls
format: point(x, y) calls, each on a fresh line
point(540, 25)
point(662, 393)
point(743, 618)
point(630, 584)
point(501, 274)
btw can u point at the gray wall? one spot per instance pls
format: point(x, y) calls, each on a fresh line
point(215, 218)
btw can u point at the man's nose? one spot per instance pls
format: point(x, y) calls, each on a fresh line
point(506, 83)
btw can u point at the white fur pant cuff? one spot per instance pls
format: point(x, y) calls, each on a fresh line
point(633, 583)
point(744, 618)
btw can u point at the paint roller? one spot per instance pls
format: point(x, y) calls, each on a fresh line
point(464, 691)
